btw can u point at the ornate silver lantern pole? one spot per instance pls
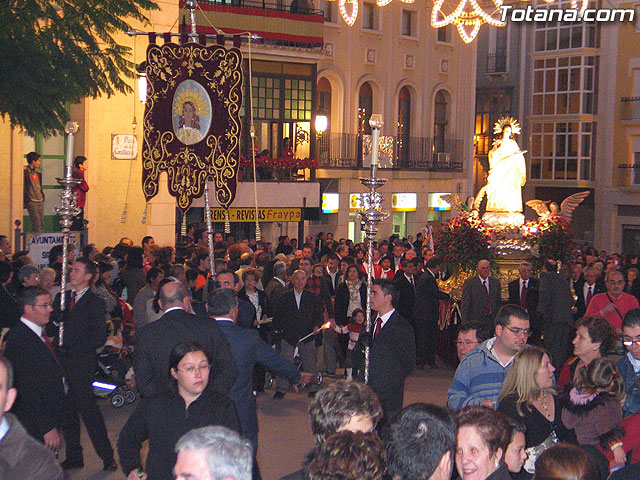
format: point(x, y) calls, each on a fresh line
point(370, 212)
point(66, 211)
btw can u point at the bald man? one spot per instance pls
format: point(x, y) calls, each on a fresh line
point(481, 298)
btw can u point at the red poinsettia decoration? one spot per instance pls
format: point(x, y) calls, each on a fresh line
point(284, 163)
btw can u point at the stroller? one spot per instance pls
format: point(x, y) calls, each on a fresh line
point(114, 378)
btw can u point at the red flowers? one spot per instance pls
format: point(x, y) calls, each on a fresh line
point(285, 163)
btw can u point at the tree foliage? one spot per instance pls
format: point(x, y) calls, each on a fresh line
point(54, 52)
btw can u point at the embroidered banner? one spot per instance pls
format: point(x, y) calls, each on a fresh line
point(191, 121)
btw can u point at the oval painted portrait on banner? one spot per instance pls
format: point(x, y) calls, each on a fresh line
point(191, 112)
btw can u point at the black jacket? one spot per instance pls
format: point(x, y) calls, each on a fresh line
point(163, 419)
point(157, 339)
point(426, 307)
point(38, 378)
point(294, 322)
point(342, 301)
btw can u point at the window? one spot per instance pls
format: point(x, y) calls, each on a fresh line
point(404, 124)
point(562, 150)
point(489, 107)
point(365, 107)
point(329, 11)
point(369, 17)
point(554, 35)
point(635, 176)
point(444, 34)
point(564, 86)
point(409, 23)
point(440, 115)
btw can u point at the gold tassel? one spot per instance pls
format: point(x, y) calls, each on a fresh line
point(143, 220)
point(227, 224)
point(183, 229)
point(123, 217)
point(258, 233)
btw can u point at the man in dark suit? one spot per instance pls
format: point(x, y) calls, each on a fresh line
point(426, 313)
point(555, 307)
point(248, 350)
point(38, 374)
point(587, 289)
point(85, 330)
point(299, 313)
point(276, 287)
point(333, 272)
point(9, 310)
point(406, 281)
point(481, 298)
point(157, 339)
point(392, 353)
point(524, 292)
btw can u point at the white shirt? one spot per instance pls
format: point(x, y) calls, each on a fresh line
point(170, 309)
point(281, 281)
point(490, 344)
point(333, 277)
point(485, 282)
point(298, 296)
point(37, 329)
point(523, 284)
point(634, 363)
point(4, 428)
point(79, 293)
point(410, 279)
point(585, 290)
point(385, 318)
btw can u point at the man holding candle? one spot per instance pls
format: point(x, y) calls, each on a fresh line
point(299, 313)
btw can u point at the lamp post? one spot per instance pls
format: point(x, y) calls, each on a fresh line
point(370, 212)
point(66, 211)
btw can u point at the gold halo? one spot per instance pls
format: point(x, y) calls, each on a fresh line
point(504, 121)
point(192, 95)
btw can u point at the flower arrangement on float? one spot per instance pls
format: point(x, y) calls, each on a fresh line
point(284, 163)
point(463, 242)
point(550, 237)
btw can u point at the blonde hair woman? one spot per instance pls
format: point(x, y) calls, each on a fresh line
point(527, 395)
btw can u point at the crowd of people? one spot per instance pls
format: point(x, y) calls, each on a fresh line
point(206, 333)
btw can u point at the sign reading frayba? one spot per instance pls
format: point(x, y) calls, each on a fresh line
point(264, 214)
point(39, 245)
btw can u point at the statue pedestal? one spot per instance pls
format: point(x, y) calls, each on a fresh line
point(503, 219)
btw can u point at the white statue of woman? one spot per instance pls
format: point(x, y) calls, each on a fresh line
point(507, 171)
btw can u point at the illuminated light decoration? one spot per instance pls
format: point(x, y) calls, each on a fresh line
point(349, 19)
point(382, 3)
point(574, 4)
point(468, 17)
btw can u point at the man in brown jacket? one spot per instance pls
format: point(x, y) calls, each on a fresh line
point(20, 455)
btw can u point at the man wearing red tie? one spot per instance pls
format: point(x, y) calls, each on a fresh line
point(392, 355)
point(85, 330)
point(586, 290)
point(524, 292)
point(481, 298)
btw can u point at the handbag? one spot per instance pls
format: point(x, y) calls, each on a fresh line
point(534, 452)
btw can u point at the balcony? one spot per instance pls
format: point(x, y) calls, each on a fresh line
point(344, 150)
point(497, 63)
point(630, 109)
point(275, 22)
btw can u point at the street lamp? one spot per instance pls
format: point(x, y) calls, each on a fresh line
point(322, 122)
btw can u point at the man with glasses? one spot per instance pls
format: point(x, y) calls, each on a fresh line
point(614, 303)
point(479, 376)
point(629, 364)
point(469, 337)
point(38, 374)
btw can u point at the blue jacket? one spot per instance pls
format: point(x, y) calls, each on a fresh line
point(478, 377)
point(248, 349)
point(631, 378)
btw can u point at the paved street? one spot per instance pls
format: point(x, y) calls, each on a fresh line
point(285, 436)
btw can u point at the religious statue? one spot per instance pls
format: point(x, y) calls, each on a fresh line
point(507, 176)
point(189, 130)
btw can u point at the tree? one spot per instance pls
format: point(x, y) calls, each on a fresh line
point(58, 52)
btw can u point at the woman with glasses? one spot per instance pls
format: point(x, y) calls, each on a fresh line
point(528, 396)
point(594, 337)
point(164, 418)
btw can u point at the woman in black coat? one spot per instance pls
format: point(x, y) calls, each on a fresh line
point(350, 295)
point(163, 419)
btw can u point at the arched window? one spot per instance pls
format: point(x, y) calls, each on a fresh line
point(440, 120)
point(365, 107)
point(404, 124)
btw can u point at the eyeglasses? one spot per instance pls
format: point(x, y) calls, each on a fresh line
point(628, 342)
point(46, 305)
point(192, 368)
point(466, 342)
point(519, 332)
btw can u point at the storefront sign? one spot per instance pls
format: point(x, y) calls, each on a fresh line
point(264, 214)
point(330, 202)
point(404, 202)
point(435, 202)
point(354, 202)
point(39, 245)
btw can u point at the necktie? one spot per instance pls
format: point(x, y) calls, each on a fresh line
point(378, 327)
point(49, 345)
point(589, 295)
point(411, 281)
point(523, 295)
point(487, 303)
point(72, 303)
